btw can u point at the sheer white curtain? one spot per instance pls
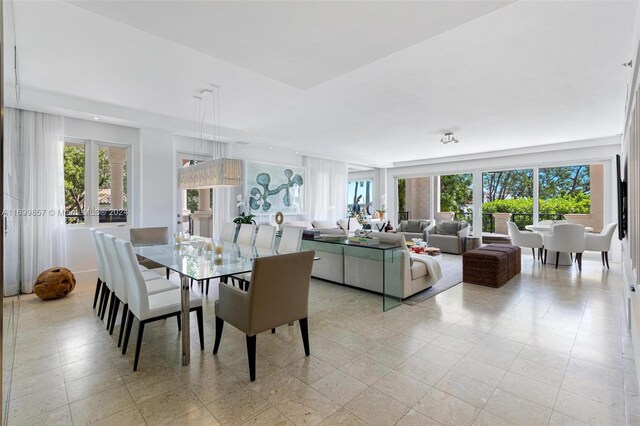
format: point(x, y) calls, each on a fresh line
point(41, 157)
point(224, 199)
point(326, 189)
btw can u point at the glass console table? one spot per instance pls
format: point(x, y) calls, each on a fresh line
point(382, 261)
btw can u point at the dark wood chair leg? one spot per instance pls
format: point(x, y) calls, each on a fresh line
point(304, 330)
point(219, 326)
point(138, 345)
point(200, 327)
point(99, 287)
point(579, 260)
point(207, 291)
point(106, 302)
point(545, 257)
point(123, 323)
point(533, 250)
point(571, 256)
point(103, 294)
point(557, 258)
point(251, 354)
point(273, 331)
point(179, 322)
point(127, 332)
point(606, 258)
point(540, 250)
point(114, 315)
point(602, 257)
point(168, 272)
point(112, 304)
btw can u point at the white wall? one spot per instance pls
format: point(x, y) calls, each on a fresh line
point(159, 178)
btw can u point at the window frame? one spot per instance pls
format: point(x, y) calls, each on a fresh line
point(91, 149)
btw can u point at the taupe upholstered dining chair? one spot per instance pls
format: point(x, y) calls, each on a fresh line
point(152, 236)
point(278, 295)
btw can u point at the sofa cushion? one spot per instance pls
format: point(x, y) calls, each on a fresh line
point(403, 226)
point(414, 226)
point(324, 224)
point(447, 228)
point(299, 223)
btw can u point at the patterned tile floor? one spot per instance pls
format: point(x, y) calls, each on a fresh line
point(550, 347)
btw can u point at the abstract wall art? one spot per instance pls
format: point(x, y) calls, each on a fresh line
point(274, 187)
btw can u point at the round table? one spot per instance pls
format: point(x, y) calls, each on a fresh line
point(545, 229)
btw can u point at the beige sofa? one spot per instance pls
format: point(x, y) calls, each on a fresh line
point(448, 236)
point(413, 228)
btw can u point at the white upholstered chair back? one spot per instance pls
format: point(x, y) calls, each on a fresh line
point(137, 296)
point(566, 238)
point(523, 239)
point(290, 240)
point(228, 232)
point(102, 250)
point(266, 237)
point(246, 233)
point(601, 241)
point(117, 275)
point(99, 264)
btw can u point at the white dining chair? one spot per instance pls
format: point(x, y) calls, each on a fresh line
point(228, 232)
point(266, 237)
point(565, 238)
point(290, 240)
point(106, 271)
point(246, 234)
point(601, 242)
point(99, 268)
point(151, 307)
point(526, 239)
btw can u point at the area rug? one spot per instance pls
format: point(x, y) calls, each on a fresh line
point(451, 265)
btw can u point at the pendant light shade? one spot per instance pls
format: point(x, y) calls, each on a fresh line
point(212, 173)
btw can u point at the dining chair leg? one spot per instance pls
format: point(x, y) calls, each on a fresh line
point(602, 257)
point(545, 257)
point(557, 258)
point(273, 331)
point(138, 345)
point(540, 250)
point(304, 330)
point(179, 323)
point(103, 294)
point(105, 303)
point(200, 327)
point(207, 292)
point(251, 354)
point(127, 332)
point(168, 272)
point(219, 326)
point(114, 316)
point(579, 260)
point(533, 250)
point(123, 323)
point(99, 287)
point(606, 258)
point(571, 256)
point(112, 304)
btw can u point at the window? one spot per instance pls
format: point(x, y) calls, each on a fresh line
point(507, 191)
point(565, 190)
point(359, 195)
point(95, 181)
point(456, 195)
point(112, 184)
point(74, 173)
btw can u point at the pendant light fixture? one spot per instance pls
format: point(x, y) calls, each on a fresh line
point(219, 172)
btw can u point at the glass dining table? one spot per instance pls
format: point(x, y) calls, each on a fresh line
point(191, 260)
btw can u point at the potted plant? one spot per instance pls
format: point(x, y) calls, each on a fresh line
point(244, 219)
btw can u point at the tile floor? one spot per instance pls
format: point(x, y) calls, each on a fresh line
point(550, 347)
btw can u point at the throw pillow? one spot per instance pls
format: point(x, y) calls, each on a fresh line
point(403, 226)
point(323, 224)
point(413, 226)
point(450, 228)
point(423, 225)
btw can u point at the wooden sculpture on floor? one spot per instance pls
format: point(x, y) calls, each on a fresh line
point(54, 283)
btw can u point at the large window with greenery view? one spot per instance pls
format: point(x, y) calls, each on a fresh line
point(564, 190)
point(456, 195)
point(95, 195)
point(74, 189)
point(507, 191)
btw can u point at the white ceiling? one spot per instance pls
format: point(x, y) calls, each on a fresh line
point(369, 82)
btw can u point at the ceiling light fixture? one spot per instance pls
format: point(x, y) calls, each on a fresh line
point(448, 138)
point(219, 172)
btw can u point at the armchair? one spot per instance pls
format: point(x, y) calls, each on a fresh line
point(449, 236)
point(601, 242)
point(152, 236)
point(565, 238)
point(526, 239)
point(278, 295)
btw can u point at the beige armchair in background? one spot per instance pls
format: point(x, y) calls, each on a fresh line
point(153, 236)
point(278, 295)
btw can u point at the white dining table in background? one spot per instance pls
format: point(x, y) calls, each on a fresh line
point(545, 229)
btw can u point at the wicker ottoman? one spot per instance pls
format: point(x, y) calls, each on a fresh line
point(514, 253)
point(485, 267)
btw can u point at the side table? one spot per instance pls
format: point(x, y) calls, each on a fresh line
point(471, 243)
